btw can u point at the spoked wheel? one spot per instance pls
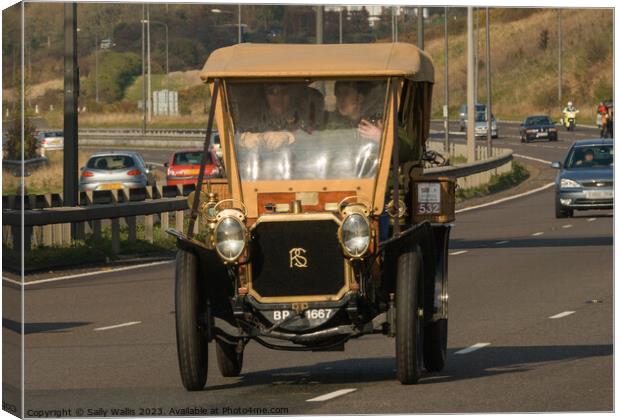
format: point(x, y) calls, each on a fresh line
point(229, 360)
point(192, 341)
point(409, 317)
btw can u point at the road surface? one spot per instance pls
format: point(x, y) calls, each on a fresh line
point(530, 331)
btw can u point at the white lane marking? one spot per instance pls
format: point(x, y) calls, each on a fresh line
point(93, 273)
point(591, 219)
point(567, 226)
point(470, 349)
point(156, 164)
point(501, 242)
point(458, 252)
point(537, 233)
point(126, 324)
point(332, 395)
point(531, 158)
point(562, 314)
point(502, 200)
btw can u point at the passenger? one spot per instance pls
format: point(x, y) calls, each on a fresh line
point(350, 100)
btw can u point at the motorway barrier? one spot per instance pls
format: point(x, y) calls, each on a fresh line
point(470, 175)
point(47, 222)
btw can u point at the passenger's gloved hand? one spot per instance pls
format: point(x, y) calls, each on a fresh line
point(250, 140)
point(275, 139)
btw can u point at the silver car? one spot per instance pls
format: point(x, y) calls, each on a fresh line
point(586, 179)
point(481, 127)
point(51, 140)
point(115, 170)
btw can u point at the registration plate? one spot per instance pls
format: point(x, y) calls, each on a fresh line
point(117, 186)
point(599, 194)
point(541, 134)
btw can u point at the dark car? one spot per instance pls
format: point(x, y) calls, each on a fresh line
point(538, 127)
point(586, 179)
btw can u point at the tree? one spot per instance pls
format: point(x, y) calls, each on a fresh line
point(14, 134)
point(116, 72)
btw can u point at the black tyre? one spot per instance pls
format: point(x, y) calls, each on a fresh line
point(409, 320)
point(562, 212)
point(192, 341)
point(229, 361)
point(436, 345)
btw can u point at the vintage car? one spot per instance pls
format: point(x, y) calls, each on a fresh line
point(328, 229)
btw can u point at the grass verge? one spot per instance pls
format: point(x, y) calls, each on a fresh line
point(90, 251)
point(497, 183)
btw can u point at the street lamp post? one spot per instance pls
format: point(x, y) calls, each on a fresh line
point(218, 11)
point(340, 24)
point(167, 63)
point(446, 111)
point(489, 95)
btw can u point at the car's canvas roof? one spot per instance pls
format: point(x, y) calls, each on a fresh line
point(319, 60)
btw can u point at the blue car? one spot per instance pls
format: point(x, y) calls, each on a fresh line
point(586, 178)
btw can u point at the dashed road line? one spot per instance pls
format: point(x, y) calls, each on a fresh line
point(332, 395)
point(537, 233)
point(562, 314)
point(567, 226)
point(473, 348)
point(458, 252)
point(591, 219)
point(501, 242)
point(126, 324)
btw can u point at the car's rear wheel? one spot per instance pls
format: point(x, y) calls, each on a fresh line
point(409, 317)
point(229, 360)
point(192, 341)
point(562, 212)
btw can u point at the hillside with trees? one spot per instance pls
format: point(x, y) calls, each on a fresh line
point(524, 52)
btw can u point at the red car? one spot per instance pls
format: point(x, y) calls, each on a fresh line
point(183, 167)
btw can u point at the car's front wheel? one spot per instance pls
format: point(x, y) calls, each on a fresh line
point(192, 341)
point(409, 317)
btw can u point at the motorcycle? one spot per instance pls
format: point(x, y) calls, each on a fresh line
point(569, 119)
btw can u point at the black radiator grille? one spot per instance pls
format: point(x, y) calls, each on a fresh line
point(297, 258)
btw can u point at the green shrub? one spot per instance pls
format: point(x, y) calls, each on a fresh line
point(497, 183)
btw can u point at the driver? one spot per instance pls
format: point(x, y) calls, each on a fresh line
point(286, 108)
point(276, 120)
point(588, 159)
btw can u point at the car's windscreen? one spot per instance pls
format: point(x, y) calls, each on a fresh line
point(53, 134)
point(481, 116)
point(190, 158)
point(326, 129)
point(110, 162)
point(537, 121)
point(590, 157)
